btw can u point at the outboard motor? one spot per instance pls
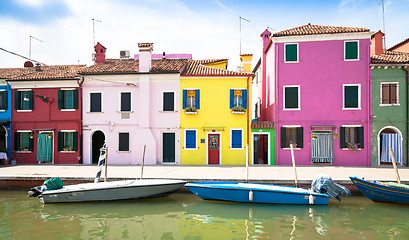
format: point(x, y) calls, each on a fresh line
point(49, 184)
point(324, 184)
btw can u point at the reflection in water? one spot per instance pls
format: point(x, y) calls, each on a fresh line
point(185, 216)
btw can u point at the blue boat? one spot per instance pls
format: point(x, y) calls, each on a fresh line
point(383, 192)
point(256, 193)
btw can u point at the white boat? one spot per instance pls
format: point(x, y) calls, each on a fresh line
point(53, 191)
point(116, 190)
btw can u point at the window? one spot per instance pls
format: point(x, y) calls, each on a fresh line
point(190, 139)
point(191, 98)
point(24, 141)
point(352, 137)
point(68, 141)
point(3, 100)
point(95, 102)
point(125, 102)
point(68, 99)
point(238, 98)
point(123, 142)
point(291, 97)
point(236, 139)
point(23, 100)
point(292, 135)
point(352, 97)
point(291, 52)
point(390, 93)
point(168, 101)
point(351, 50)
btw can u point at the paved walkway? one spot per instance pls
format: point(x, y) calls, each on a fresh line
point(266, 174)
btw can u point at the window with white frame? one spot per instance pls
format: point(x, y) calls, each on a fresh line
point(168, 101)
point(290, 52)
point(351, 50)
point(352, 137)
point(24, 100)
point(238, 98)
point(390, 93)
point(67, 141)
point(23, 141)
point(125, 101)
point(68, 99)
point(291, 97)
point(95, 102)
point(351, 96)
point(292, 135)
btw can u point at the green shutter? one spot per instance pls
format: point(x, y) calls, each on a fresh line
point(283, 139)
point(31, 99)
point(75, 141)
point(351, 96)
point(60, 141)
point(342, 143)
point(291, 53)
point(16, 141)
point(360, 137)
point(31, 142)
point(75, 100)
point(291, 97)
point(60, 99)
point(300, 137)
point(351, 50)
point(17, 100)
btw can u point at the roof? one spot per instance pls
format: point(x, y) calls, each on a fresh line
point(310, 29)
point(44, 72)
point(209, 61)
point(399, 44)
point(196, 68)
point(122, 66)
point(390, 57)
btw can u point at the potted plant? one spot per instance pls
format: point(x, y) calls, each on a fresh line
point(190, 110)
point(352, 146)
point(238, 110)
point(67, 148)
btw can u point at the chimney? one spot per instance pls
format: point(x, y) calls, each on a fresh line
point(377, 43)
point(145, 57)
point(164, 55)
point(37, 67)
point(245, 60)
point(266, 38)
point(99, 53)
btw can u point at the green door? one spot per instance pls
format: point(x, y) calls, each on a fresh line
point(44, 147)
point(168, 147)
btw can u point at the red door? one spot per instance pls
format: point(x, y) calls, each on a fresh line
point(213, 148)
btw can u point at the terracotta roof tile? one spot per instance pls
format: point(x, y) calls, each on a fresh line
point(145, 45)
point(390, 57)
point(196, 68)
point(132, 66)
point(398, 45)
point(318, 29)
point(45, 72)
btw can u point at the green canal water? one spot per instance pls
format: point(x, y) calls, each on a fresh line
point(185, 216)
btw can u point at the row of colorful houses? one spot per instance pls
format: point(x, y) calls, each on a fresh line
point(333, 92)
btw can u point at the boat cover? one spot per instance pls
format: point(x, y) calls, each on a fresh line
point(324, 184)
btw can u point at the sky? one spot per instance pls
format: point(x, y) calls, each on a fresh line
point(63, 30)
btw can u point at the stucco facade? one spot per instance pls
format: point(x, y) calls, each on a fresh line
point(320, 78)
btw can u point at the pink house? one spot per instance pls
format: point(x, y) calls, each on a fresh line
point(316, 90)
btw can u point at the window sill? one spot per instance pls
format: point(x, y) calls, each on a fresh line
point(67, 151)
point(237, 112)
point(95, 112)
point(125, 112)
point(190, 112)
point(2, 110)
point(68, 110)
point(347, 149)
point(290, 148)
point(291, 61)
point(291, 109)
point(168, 111)
point(383, 105)
point(351, 108)
point(23, 151)
point(351, 60)
point(236, 148)
point(190, 148)
point(29, 110)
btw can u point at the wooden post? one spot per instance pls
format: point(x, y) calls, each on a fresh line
point(143, 160)
point(106, 164)
point(247, 163)
point(293, 160)
point(394, 165)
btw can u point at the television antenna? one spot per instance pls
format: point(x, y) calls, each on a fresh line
point(240, 18)
point(383, 23)
point(29, 47)
point(93, 27)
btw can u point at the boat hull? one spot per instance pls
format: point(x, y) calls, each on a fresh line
point(256, 193)
point(108, 191)
point(381, 193)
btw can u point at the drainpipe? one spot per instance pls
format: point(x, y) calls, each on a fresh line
point(80, 82)
point(407, 113)
point(248, 121)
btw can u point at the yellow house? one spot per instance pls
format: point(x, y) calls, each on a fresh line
point(215, 116)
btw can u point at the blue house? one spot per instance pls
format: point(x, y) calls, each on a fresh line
point(5, 116)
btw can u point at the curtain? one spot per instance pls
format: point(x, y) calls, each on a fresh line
point(44, 147)
point(391, 140)
point(321, 147)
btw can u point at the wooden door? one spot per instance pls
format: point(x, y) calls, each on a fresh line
point(168, 148)
point(213, 147)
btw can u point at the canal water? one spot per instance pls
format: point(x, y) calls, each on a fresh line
point(185, 216)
